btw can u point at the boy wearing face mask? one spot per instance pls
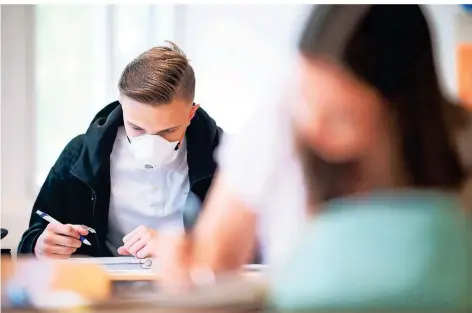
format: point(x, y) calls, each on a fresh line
point(142, 168)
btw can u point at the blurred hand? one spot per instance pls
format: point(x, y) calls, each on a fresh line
point(173, 271)
point(59, 241)
point(141, 243)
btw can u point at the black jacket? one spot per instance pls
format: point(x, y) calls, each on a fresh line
point(77, 189)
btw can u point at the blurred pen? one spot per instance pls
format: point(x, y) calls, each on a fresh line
point(52, 220)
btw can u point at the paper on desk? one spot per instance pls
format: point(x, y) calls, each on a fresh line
point(124, 263)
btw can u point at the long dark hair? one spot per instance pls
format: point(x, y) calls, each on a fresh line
point(389, 47)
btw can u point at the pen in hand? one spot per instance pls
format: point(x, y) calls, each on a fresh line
point(50, 219)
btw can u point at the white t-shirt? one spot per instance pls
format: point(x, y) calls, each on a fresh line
point(151, 197)
point(260, 165)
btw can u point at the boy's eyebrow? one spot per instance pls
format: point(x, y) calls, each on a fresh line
point(158, 132)
point(168, 129)
point(133, 125)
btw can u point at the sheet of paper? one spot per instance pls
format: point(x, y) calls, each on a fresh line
point(118, 263)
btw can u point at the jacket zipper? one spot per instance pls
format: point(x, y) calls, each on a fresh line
point(199, 180)
point(191, 187)
point(94, 200)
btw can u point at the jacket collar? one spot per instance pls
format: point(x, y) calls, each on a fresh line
point(93, 163)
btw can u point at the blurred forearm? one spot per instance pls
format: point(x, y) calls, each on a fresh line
point(224, 238)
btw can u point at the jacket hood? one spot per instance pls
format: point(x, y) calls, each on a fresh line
point(201, 135)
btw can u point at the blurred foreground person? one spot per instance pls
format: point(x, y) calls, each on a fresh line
point(371, 123)
point(390, 231)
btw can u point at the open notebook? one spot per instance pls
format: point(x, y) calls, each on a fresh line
point(124, 263)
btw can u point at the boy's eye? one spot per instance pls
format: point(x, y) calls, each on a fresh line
point(136, 128)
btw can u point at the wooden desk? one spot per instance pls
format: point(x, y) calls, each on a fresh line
point(99, 286)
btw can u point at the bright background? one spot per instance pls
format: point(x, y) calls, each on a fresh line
point(61, 63)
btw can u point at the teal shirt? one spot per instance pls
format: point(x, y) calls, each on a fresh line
point(405, 251)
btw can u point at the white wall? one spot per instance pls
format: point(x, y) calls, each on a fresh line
point(239, 52)
point(222, 38)
point(16, 124)
point(218, 38)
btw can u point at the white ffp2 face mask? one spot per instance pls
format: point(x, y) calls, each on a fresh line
point(153, 151)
